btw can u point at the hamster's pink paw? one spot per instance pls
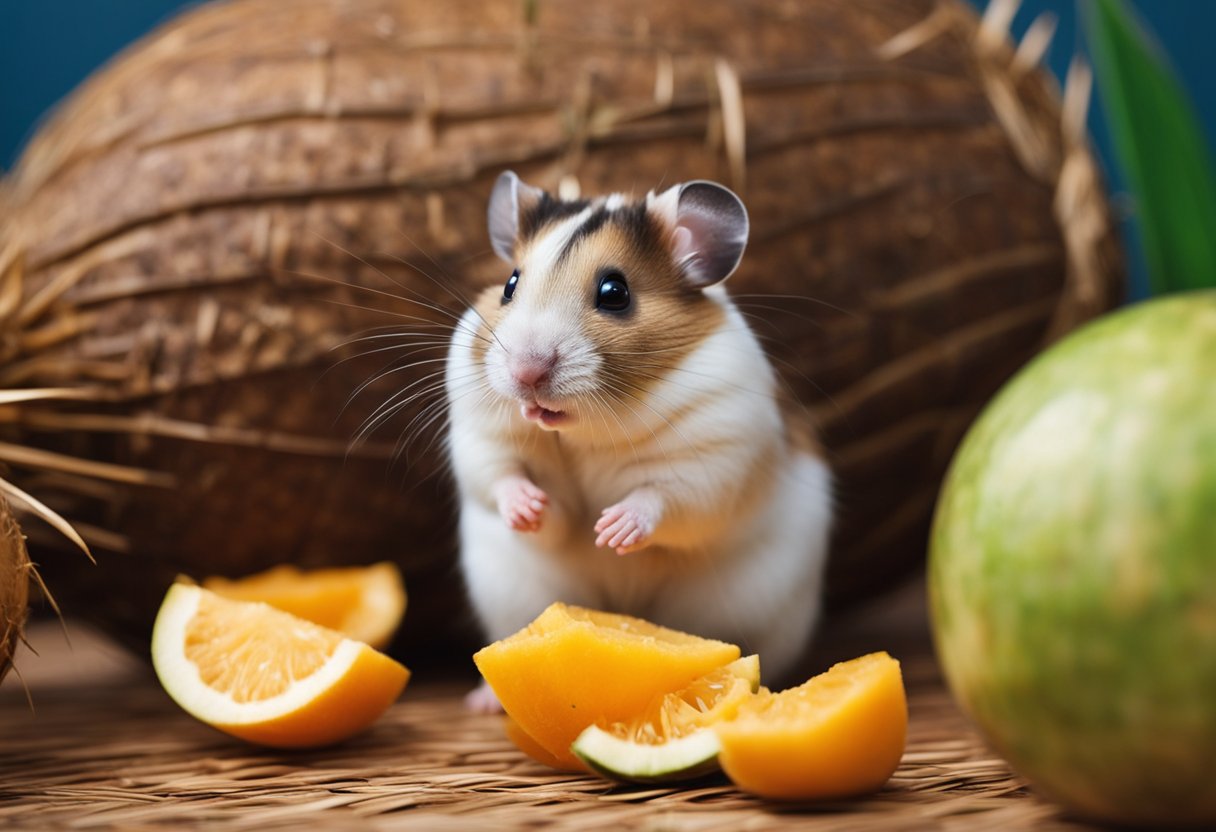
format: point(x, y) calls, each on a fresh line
point(482, 700)
point(627, 526)
point(521, 503)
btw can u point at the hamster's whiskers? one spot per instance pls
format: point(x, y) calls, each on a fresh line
point(660, 351)
point(622, 390)
point(665, 373)
point(419, 427)
point(417, 297)
point(807, 298)
point(447, 285)
point(414, 296)
point(396, 368)
point(404, 338)
point(440, 327)
point(605, 407)
point(409, 341)
point(426, 386)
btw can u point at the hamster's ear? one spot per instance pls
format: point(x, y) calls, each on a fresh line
point(509, 197)
point(709, 225)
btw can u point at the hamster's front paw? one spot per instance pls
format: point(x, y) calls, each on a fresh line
point(629, 525)
point(521, 503)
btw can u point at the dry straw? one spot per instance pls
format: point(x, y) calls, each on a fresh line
point(124, 756)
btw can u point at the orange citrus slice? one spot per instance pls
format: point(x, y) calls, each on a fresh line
point(533, 749)
point(673, 739)
point(572, 667)
point(265, 675)
point(365, 603)
point(841, 734)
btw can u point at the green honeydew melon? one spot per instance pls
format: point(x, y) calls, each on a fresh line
point(1072, 571)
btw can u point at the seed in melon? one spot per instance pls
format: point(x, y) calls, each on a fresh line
point(572, 667)
point(839, 734)
point(1073, 568)
point(672, 740)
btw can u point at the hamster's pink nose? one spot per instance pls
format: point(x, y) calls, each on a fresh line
point(532, 370)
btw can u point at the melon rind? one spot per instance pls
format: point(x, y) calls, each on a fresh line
point(685, 758)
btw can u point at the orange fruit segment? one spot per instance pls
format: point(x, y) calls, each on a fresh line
point(519, 737)
point(265, 675)
point(840, 734)
point(672, 739)
point(708, 700)
point(365, 603)
point(572, 667)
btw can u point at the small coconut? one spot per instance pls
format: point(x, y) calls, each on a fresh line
point(14, 586)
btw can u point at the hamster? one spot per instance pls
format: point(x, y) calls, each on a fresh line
point(617, 433)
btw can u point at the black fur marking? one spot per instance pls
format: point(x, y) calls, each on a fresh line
point(641, 227)
point(548, 210)
point(637, 223)
point(593, 224)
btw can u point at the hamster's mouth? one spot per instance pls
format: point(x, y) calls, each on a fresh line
point(543, 416)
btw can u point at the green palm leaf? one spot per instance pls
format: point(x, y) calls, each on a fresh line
point(1158, 144)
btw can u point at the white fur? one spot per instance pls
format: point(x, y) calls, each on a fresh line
point(543, 256)
point(740, 555)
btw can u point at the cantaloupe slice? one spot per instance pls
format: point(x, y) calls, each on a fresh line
point(573, 667)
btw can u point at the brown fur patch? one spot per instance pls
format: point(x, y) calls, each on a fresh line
point(668, 318)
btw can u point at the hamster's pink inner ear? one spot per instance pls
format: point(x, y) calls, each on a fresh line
point(682, 246)
point(510, 196)
point(709, 229)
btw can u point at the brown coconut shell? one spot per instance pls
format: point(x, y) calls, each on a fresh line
point(15, 573)
point(200, 230)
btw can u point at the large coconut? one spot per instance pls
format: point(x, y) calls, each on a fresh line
point(201, 228)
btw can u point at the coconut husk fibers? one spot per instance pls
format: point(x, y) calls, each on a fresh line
point(14, 586)
point(194, 241)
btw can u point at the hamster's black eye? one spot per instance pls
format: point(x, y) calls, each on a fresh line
point(509, 289)
point(613, 293)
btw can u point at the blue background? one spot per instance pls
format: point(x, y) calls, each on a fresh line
point(49, 46)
